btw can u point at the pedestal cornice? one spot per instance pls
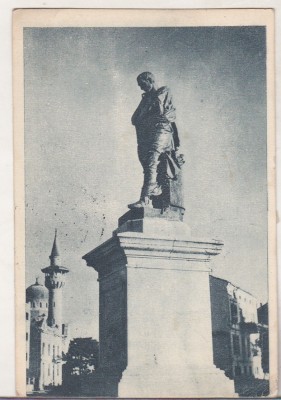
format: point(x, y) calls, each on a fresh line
point(124, 247)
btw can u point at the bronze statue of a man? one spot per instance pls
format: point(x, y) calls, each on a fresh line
point(154, 120)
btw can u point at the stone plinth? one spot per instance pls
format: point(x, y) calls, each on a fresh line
point(155, 223)
point(155, 314)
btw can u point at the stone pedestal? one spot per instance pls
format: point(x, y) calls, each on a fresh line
point(155, 314)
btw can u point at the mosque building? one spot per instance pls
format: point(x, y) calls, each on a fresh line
point(46, 332)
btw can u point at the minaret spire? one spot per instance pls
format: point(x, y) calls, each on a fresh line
point(55, 256)
point(54, 281)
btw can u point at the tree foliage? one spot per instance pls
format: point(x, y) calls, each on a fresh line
point(82, 356)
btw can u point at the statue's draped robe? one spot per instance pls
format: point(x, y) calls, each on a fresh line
point(154, 120)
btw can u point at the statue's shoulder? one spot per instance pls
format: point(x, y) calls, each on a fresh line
point(163, 93)
point(162, 90)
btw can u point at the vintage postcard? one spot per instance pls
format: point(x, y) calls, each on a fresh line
point(144, 150)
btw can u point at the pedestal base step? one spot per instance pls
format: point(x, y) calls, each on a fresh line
point(192, 381)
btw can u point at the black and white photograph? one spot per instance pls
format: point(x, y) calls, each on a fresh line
point(145, 211)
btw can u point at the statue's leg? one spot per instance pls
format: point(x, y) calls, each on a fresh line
point(162, 201)
point(149, 153)
point(143, 151)
point(150, 185)
point(162, 141)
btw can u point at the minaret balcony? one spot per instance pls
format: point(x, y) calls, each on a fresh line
point(54, 283)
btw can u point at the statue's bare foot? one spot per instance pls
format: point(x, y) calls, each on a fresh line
point(155, 190)
point(146, 202)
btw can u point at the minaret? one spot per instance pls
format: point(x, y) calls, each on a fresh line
point(54, 281)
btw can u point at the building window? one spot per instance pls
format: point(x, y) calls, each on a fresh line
point(26, 336)
point(46, 305)
point(49, 372)
point(26, 356)
point(54, 351)
point(58, 350)
point(40, 305)
point(33, 304)
point(233, 312)
point(58, 370)
point(43, 348)
point(26, 316)
point(49, 349)
point(236, 345)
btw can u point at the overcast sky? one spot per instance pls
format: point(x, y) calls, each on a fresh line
point(81, 166)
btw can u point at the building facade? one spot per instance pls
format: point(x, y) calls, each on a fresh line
point(264, 339)
point(235, 330)
point(46, 333)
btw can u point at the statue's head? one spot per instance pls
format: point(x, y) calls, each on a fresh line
point(146, 81)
